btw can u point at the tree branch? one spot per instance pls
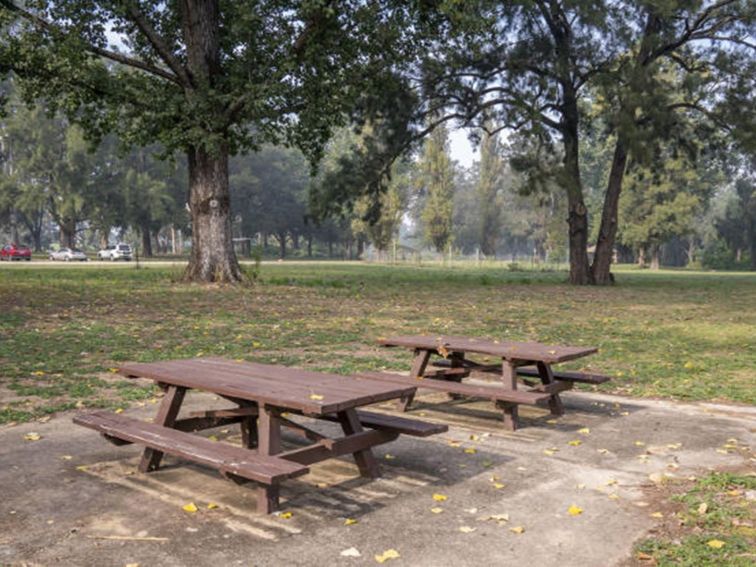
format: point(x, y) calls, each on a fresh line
point(159, 45)
point(105, 53)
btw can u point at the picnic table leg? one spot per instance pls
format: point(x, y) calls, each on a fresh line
point(268, 443)
point(166, 416)
point(416, 371)
point(249, 430)
point(510, 410)
point(456, 360)
point(364, 458)
point(547, 377)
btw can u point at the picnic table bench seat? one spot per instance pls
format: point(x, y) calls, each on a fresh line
point(496, 394)
point(232, 462)
point(467, 367)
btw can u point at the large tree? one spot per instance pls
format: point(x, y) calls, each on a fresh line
point(539, 63)
point(435, 178)
point(205, 77)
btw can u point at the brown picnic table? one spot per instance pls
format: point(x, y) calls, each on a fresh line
point(265, 399)
point(526, 360)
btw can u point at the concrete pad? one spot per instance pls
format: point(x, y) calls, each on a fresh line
point(71, 498)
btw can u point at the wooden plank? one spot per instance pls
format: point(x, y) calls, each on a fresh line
point(230, 412)
point(221, 456)
point(547, 378)
point(275, 385)
point(488, 392)
point(400, 424)
point(580, 377)
point(419, 363)
point(505, 349)
point(354, 443)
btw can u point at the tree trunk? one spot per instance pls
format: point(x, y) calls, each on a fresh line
point(602, 260)
point(282, 245)
point(68, 233)
point(330, 248)
point(360, 247)
point(212, 258)
point(642, 257)
point(309, 246)
point(655, 256)
point(146, 242)
point(580, 273)
point(104, 240)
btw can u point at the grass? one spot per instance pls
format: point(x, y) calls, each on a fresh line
point(713, 525)
point(678, 334)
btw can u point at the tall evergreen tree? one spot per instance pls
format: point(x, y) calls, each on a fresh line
point(490, 180)
point(436, 181)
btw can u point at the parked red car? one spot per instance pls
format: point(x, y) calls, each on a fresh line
point(15, 252)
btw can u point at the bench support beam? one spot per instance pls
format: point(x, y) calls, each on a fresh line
point(166, 416)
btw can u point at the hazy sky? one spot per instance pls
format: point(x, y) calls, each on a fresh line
point(461, 148)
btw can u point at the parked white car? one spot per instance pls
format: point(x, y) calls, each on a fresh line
point(68, 255)
point(117, 252)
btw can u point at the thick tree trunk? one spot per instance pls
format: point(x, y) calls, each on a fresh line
point(146, 242)
point(642, 257)
point(104, 240)
point(655, 256)
point(68, 233)
point(602, 260)
point(212, 258)
point(580, 273)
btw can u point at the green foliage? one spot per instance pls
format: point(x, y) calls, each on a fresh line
point(490, 182)
point(436, 185)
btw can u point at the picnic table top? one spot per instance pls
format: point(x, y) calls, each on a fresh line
point(509, 350)
point(314, 393)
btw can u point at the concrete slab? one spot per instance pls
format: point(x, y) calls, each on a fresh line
point(70, 498)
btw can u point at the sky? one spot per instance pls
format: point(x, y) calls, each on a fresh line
point(461, 149)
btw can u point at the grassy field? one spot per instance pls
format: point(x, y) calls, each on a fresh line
point(64, 330)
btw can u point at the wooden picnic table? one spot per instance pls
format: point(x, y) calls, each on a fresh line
point(524, 359)
point(266, 399)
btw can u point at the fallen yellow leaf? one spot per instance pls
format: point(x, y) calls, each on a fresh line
point(316, 397)
point(657, 515)
point(499, 517)
point(471, 451)
point(119, 410)
point(191, 507)
point(702, 508)
point(285, 515)
point(715, 543)
point(517, 529)
point(350, 522)
point(436, 510)
point(389, 457)
point(467, 529)
point(574, 510)
point(386, 555)
point(66, 457)
point(439, 497)
point(644, 556)
point(498, 485)
point(603, 451)
point(575, 442)
point(38, 373)
point(584, 431)
point(32, 436)
point(639, 443)
point(212, 506)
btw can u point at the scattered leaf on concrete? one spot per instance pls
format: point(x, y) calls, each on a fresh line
point(212, 506)
point(439, 497)
point(584, 431)
point(350, 522)
point(467, 529)
point(191, 507)
point(316, 397)
point(436, 510)
point(285, 515)
point(386, 555)
point(351, 552)
point(517, 529)
point(574, 510)
point(32, 436)
point(575, 442)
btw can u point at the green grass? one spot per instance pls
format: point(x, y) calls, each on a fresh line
point(679, 334)
point(713, 526)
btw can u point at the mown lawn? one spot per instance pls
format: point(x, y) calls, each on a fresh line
point(687, 335)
